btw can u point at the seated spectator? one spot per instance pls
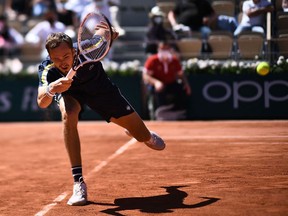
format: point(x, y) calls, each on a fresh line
point(157, 32)
point(194, 15)
point(285, 5)
point(38, 34)
point(68, 17)
point(77, 6)
point(224, 23)
point(10, 42)
point(167, 83)
point(109, 8)
point(253, 16)
point(17, 9)
point(39, 7)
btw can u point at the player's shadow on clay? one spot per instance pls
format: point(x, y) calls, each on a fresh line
point(156, 204)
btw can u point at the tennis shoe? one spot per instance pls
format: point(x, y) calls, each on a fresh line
point(156, 142)
point(79, 196)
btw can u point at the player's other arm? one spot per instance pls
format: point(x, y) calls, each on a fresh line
point(46, 93)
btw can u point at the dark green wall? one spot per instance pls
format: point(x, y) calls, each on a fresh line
point(213, 97)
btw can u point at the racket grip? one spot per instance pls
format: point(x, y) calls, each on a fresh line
point(71, 74)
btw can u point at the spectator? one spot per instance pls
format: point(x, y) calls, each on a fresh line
point(224, 23)
point(68, 17)
point(17, 9)
point(77, 6)
point(168, 84)
point(194, 15)
point(253, 16)
point(109, 8)
point(10, 42)
point(39, 7)
point(157, 32)
point(38, 34)
point(114, 10)
point(285, 5)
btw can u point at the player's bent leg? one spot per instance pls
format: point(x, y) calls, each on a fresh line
point(136, 128)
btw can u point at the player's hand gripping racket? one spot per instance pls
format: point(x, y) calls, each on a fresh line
point(94, 40)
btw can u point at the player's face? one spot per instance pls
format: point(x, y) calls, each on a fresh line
point(62, 57)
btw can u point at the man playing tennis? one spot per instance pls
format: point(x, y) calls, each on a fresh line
point(90, 86)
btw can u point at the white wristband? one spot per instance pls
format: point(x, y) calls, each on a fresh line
point(48, 93)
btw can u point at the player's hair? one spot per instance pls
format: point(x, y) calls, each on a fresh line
point(55, 39)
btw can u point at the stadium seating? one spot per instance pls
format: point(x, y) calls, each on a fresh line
point(250, 45)
point(189, 47)
point(30, 53)
point(225, 7)
point(221, 44)
point(282, 21)
point(282, 45)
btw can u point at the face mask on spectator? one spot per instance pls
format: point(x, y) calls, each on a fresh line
point(158, 20)
point(164, 54)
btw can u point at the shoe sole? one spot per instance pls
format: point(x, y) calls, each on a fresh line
point(82, 203)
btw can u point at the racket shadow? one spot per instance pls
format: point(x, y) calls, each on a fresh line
point(164, 203)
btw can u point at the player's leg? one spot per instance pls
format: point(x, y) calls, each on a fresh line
point(70, 109)
point(136, 128)
point(134, 124)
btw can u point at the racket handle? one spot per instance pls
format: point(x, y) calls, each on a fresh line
point(71, 74)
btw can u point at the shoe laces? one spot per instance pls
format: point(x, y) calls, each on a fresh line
point(79, 188)
point(154, 139)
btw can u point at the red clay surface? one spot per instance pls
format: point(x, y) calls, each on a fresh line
point(208, 168)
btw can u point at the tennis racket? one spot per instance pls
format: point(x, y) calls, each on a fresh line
point(94, 41)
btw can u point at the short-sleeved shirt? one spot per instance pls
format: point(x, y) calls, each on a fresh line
point(255, 20)
point(165, 71)
point(91, 86)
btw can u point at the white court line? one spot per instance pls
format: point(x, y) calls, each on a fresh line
point(97, 168)
point(191, 137)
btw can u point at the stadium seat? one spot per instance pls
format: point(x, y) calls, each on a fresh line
point(189, 47)
point(221, 44)
point(282, 44)
point(282, 33)
point(224, 7)
point(278, 5)
point(135, 13)
point(282, 20)
point(30, 53)
point(250, 45)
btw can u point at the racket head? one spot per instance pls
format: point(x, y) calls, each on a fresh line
point(94, 36)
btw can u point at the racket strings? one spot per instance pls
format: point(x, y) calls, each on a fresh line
point(94, 46)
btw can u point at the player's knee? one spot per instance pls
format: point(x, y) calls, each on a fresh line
point(70, 113)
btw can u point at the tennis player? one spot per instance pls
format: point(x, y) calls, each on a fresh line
point(90, 86)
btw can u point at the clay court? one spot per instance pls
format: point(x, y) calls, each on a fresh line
point(208, 168)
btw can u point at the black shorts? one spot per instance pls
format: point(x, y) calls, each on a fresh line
point(107, 105)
